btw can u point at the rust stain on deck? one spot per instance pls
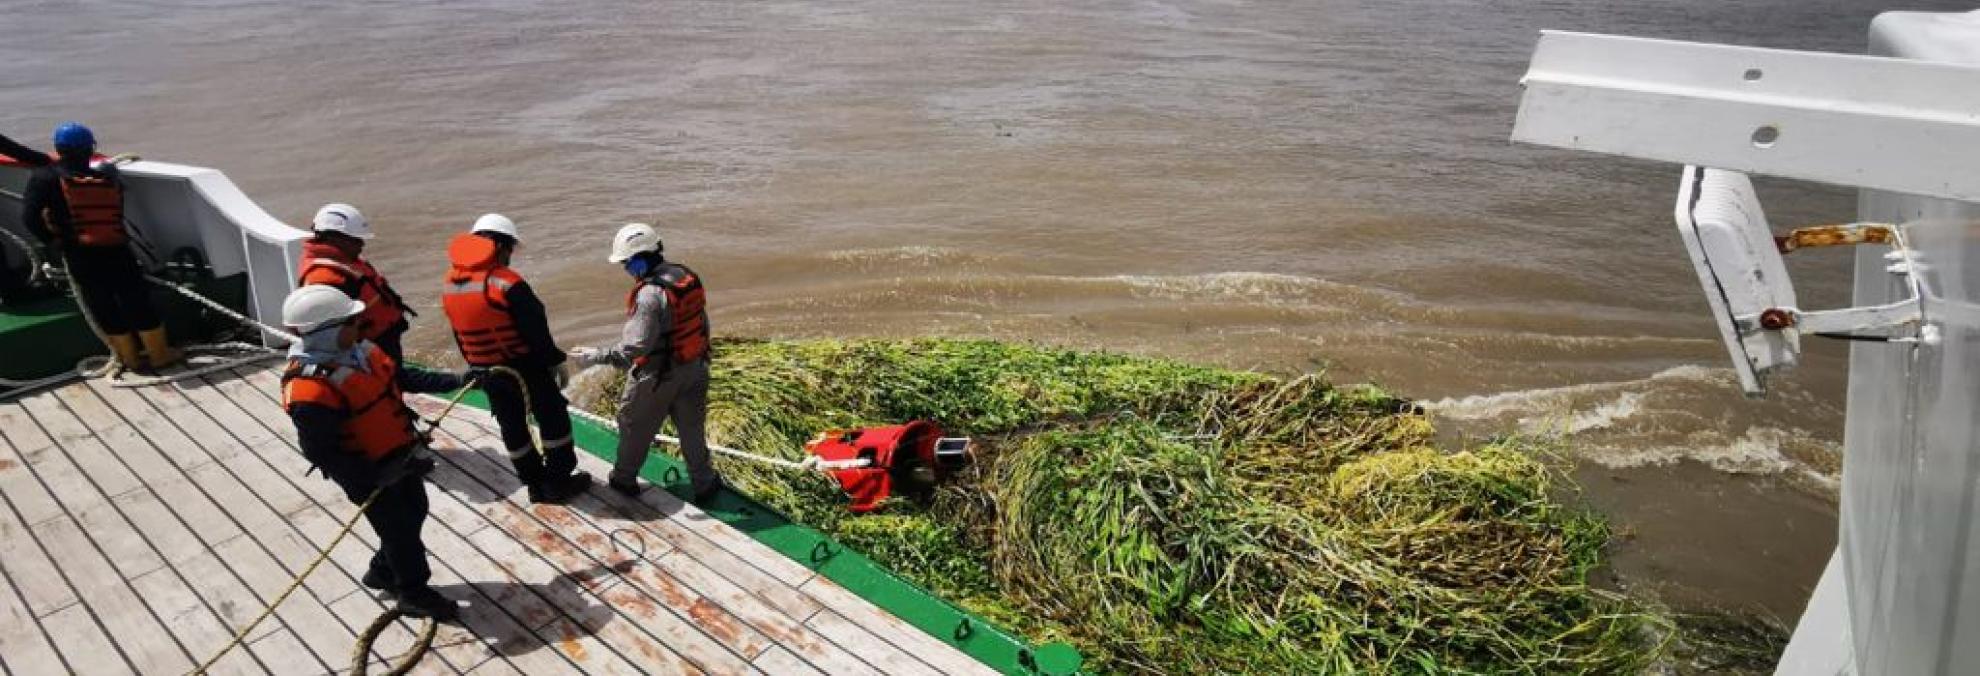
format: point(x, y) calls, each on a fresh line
point(569, 644)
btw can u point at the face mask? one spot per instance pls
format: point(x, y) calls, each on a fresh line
point(638, 266)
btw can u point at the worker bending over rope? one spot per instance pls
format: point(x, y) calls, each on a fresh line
point(79, 207)
point(498, 321)
point(346, 398)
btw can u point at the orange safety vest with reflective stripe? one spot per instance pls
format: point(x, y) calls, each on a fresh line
point(323, 263)
point(687, 339)
point(475, 294)
point(96, 209)
point(377, 423)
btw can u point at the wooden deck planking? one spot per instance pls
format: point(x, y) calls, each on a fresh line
point(179, 511)
point(85, 648)
point(900, 654)
point(25, 648)
point(650, 650)
point(249, 531)
point(40, 585)
point(478, 430)
point(693, 620)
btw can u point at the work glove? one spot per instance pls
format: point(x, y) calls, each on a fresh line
point(586, 355)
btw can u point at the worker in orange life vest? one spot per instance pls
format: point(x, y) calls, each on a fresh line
point(498, 321)
point(345, 396)
point(665, 346)
point(79, 207)
point(334, 257)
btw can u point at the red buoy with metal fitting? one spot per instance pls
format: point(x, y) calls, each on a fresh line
point(910, 457)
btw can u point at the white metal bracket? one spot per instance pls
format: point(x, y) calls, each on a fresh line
point(1878, 122)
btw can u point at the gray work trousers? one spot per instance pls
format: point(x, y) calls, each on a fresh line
point(650, 399)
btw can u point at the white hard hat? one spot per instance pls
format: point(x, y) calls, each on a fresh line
point(635, 238)
point(344, 218)
point(496, 223)
point(310, 307)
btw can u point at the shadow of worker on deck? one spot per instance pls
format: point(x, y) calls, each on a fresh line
point(515, 618)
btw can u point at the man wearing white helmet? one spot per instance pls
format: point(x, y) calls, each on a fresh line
point(334, 256)
point(665, 346)
point(346, 398)
point(498, 321)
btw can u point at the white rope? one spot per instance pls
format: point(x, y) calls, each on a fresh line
point(34, 257)
point(222, 309)
point(810, 463)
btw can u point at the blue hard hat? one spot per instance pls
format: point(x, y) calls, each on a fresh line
point(74, 135)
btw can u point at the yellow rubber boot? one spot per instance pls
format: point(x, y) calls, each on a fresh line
point(124, 347)
point(157, 349)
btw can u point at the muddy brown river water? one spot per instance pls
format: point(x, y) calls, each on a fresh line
point(1278, 185)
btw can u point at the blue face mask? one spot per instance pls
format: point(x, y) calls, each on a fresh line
point(638, 266)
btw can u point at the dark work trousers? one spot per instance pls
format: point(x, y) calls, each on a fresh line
point(648, 401)
point(112, 287)
point(553, 420)
point(396, 516)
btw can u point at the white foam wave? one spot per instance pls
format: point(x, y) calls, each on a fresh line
point(1553, 399)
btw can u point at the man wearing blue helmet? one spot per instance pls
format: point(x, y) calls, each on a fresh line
point(78, 207)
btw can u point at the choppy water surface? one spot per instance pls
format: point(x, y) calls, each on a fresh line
point(1282, 185)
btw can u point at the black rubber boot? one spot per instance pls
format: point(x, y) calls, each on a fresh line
point(629, 489)
point(561, 490)
point(707, 493)
point(380, 579)
point(424, 602)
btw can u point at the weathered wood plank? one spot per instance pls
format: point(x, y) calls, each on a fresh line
point(845, 611)
point(52, 475)
point(580, 625)
point(21, 443)
point(660, 605)
point(781, 662)
point(85, 647)
point(33, 573)
point(100, 469)
point(680, 569)
point(476, 429)
point(674, 534)
point(23, 647)
point(126, 618)
point(192, 622)
point(880, 653)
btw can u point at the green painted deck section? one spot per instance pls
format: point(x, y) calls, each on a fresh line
point(973, 635)
point(48, 336)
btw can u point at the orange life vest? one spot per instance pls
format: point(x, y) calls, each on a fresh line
point(687, 339)
point(96, 209)
point(323, 263)
point(475, 294)
point(378, 421)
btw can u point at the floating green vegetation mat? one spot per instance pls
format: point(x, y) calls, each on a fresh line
point(1171, 518)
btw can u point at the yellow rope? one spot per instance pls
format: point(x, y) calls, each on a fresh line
point(363, 647)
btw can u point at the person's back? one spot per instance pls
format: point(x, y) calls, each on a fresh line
point(78, 207)
point(498, 321)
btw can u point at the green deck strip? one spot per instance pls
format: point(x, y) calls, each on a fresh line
point(53, 333)
point(973, 635)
